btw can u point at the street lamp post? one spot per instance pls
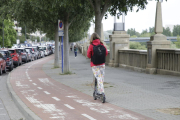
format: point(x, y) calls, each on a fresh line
point(118, 24)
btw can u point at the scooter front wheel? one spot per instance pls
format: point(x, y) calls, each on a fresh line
point(103, 98)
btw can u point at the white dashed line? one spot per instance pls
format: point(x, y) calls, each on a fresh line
point(30, 80)
point(39, 88)
point(89, 117)
point(28, 77)
point(69, 106)
point(34, 83)
point(57, 99)
point(47, 92)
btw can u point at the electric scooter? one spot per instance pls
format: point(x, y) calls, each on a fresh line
point(97, 95)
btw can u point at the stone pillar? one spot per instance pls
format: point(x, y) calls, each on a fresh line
point(102, 34)
point(156, 41)
point(119, 40)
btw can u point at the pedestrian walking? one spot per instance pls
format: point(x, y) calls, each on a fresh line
point(75, 51)
point(97, 61)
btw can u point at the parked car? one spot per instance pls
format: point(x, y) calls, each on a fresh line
point(16, 56)
point(30, 54)
point(50, 50)
point(33, 52)
point(37, 52)
point(24, 54)
point(42, 53)
point(2, 64)
point(7, 57)
point(45, 49)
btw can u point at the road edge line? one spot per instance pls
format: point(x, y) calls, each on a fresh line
point(28, 114)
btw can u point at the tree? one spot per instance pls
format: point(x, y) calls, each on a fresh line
point(101, 8)
point(178, 42)
point(176, 30)
point(166, 31)
point(137, 45)
point(133, 32)
point(9, 33)
point(44, 14)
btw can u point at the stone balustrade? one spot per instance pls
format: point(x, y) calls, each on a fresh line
point(168, 61)
point(133, 59)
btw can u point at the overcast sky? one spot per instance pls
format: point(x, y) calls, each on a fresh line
point(146, 18)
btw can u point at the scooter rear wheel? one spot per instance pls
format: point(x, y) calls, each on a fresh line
point(94, 96)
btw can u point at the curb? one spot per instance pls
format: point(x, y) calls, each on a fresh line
point(28, 114)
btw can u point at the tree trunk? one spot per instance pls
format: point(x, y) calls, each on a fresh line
point(98, 19)
point(66, 47)
point(56, 56)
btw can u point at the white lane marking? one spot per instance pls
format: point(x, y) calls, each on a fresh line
point(89, 117)
point(28, 77)
point(69, 106)
point(57, 99)
point(73, 96)
point(45, 81)
point(30, 80)
point(48, 108)
point(34, 83)
point(39, 88)
point(47, 92)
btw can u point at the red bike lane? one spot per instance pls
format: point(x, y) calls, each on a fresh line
point(50, 99)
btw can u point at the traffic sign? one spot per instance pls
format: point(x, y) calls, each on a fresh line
point(60, 25)
point(61, 33)
point(60, 28)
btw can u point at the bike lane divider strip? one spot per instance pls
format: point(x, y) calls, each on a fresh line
point(70, 107)
point(55, 98)
point(47, 92)
point(39, 88)
point(34, 83)
point(89, 117)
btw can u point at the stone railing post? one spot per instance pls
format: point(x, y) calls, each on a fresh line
point(119, 40)
point(156, 41)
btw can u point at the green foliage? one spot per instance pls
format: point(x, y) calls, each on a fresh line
point(137, 45)
point(133, 32)
point(178, 42)
point(166, 31)
point(176, 30)
point(173, 46)
point(9, 33)
point(22, 38)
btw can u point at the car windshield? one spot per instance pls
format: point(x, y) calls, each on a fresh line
point(28, 50)
point(3, 53)
point(35, 49)
point(43, 48)
point(11, 51)
point(20, 50)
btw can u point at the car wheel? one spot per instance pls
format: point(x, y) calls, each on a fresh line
point(18, 63)
point(5, 70)
point(11, 68)
point(1, 71)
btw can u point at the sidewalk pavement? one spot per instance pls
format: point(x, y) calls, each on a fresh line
point(154, 96)
point(8, 109)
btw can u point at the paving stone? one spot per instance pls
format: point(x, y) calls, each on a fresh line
point(10, 110)
point(139, 92)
